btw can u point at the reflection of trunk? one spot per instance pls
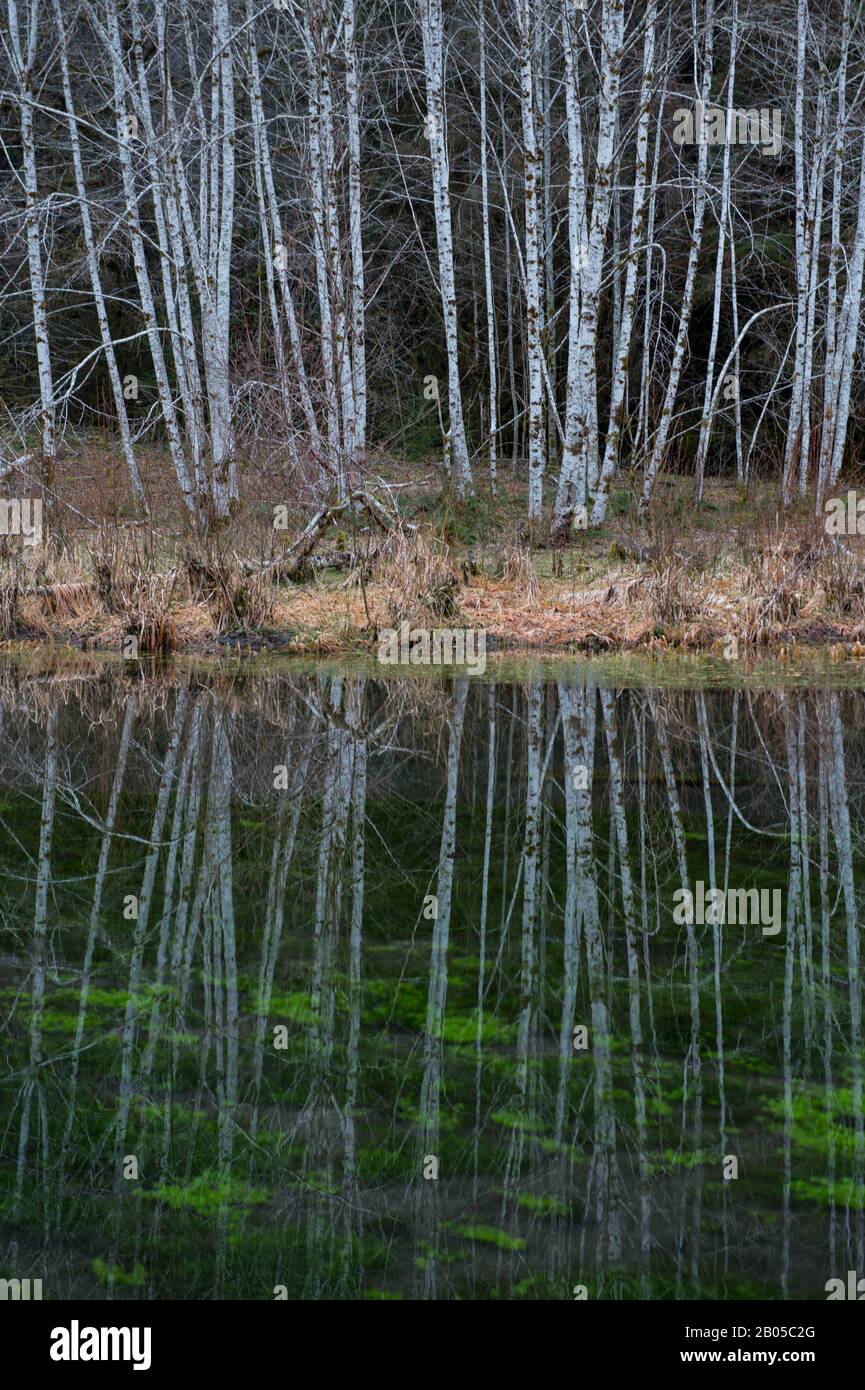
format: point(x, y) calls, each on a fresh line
point(798, 852)
point(806, 934)
point(692, 1060)
point(430, 1095)
point(145, 900)
point(618, 807)
point(224, 965)
point(290, 806)
point(95, 912)
point(560, 1244)
point(717, 960)
point(186, 803)
point(184, 925)
point(33, 1083)
point(524, 1085)
point(841, 825)
point(824, 753)
point(578, 710)
point(322, 1111)
point(639, 718)
point(573, 913)
point(352, 1254)
point(793, 891)
point(170, 915)
point(482, 931)
point(531, 853)
point(329, 886)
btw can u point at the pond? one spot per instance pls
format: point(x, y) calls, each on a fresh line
point(537, 985)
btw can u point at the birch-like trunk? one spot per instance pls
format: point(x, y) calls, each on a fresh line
point(432, 32)
point(272, 237)
point(578, 478)
point(830, 332)
point(638, 217)
point(124, 119)
point(355, 231)
point(93, 264)
point(659, 446)
point(22, 54)
point(492, 370)
point(723, 217)
point(527, 32)
point(793, 445)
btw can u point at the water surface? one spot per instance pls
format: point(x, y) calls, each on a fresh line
point(320, 985)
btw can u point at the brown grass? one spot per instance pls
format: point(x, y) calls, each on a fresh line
point(686, 579)
point(415, 579)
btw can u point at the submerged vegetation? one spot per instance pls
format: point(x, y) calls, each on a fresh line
point(417, 1019)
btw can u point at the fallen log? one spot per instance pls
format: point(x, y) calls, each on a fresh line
point(296, 562)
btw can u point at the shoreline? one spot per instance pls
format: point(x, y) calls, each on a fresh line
point(731, 579)
point(315, 620)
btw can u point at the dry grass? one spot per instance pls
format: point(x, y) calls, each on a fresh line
point(146, 614)
point(765, 579)
point(9, 590)
point(519, 573)
point(415, 580)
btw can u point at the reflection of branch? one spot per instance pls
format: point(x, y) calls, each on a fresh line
point(773, 834)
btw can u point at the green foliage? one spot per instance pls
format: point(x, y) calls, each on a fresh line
point(490, 1236)
point(208, 1193)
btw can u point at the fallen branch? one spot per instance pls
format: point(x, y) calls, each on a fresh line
point(298, 560)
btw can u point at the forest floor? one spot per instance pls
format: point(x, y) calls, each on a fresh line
point(729, 576)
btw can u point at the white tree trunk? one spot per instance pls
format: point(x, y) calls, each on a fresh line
point(638, 212)
point(488, 269)
point(659, 446)
point(526, 25)
point(708, 394)
point(432, 30)
point(580, 461)
point(355, 223)
point(23, 58)
point(93, 265)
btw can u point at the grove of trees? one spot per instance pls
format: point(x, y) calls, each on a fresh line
point(551, 240)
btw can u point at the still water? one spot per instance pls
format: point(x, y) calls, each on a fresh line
point(319, 985)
